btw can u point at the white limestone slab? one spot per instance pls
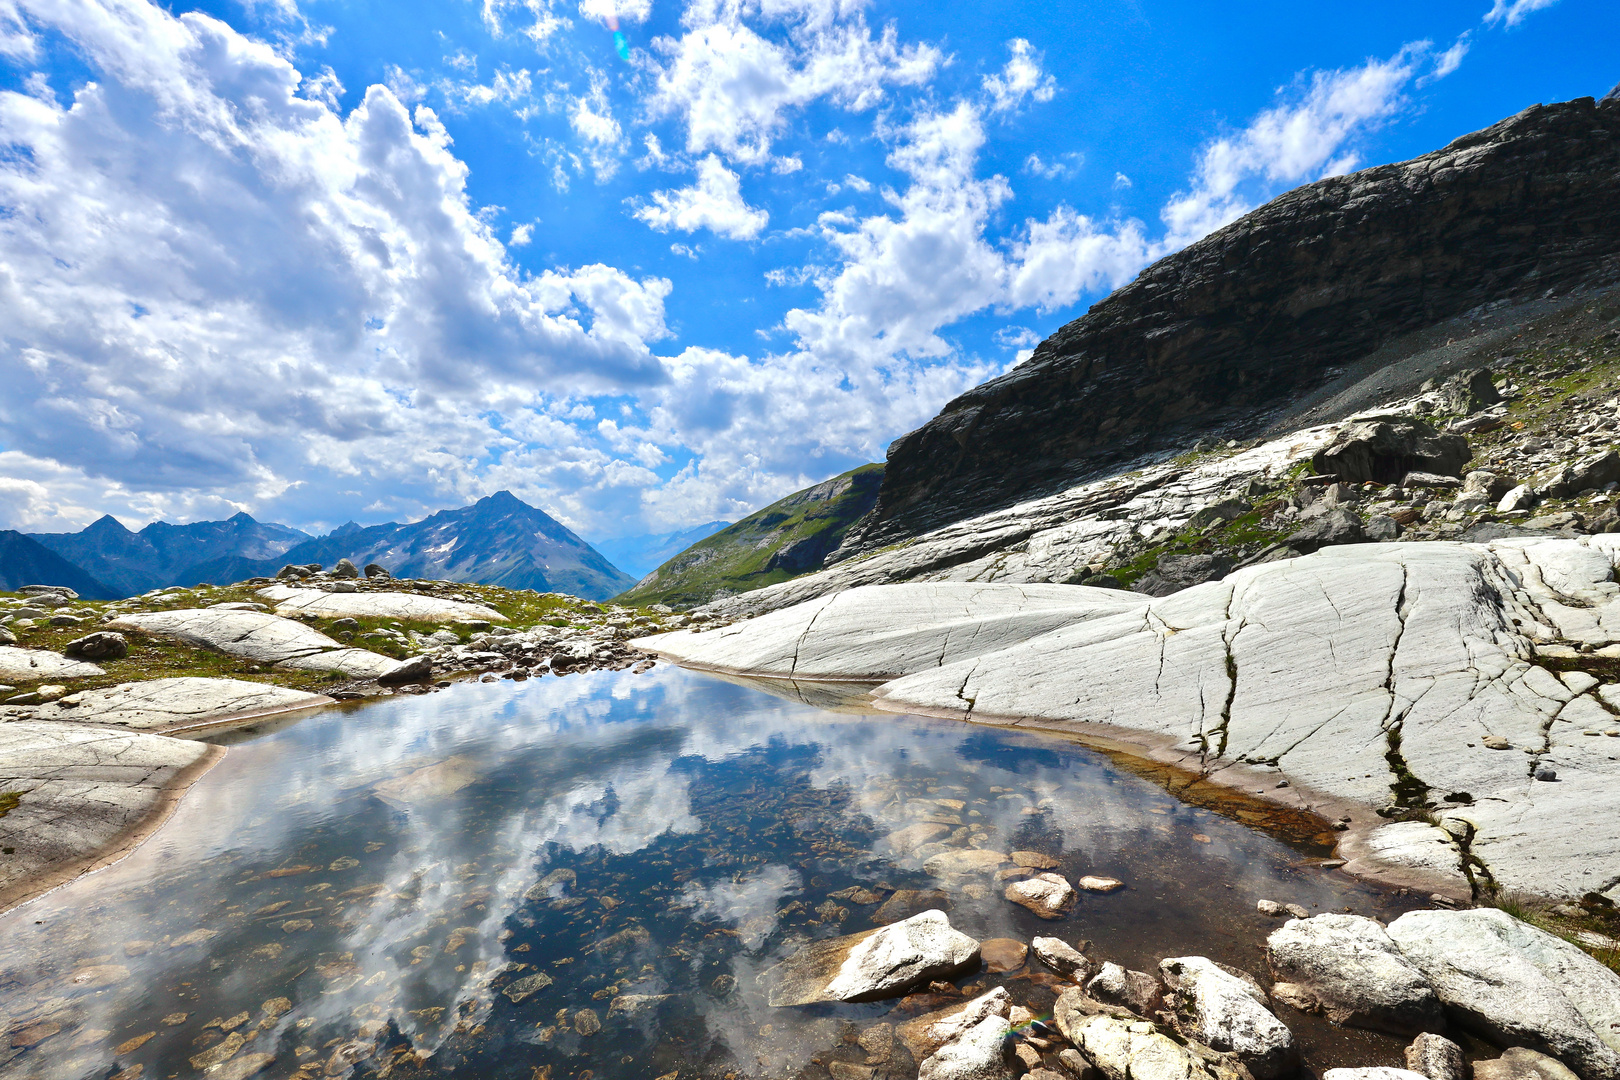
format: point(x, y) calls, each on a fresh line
point(164, 704)
point(82, 788)
point(376, 605)
point(36, 665)
point(875, 633)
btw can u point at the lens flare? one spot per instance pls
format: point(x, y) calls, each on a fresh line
point(620, 46)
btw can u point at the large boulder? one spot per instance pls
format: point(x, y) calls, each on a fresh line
point(976, 1054)
point(1347, 967)
point(1562, 481)
point(1226, 1010)
point(1125, 1049)
point(1517, 985)
point(926, 1034)
point(1176, 572)
point(880, 963)
point(101, 645)
point(1468, 392)
point(1386, 448)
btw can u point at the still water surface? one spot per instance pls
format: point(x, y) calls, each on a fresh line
point(583, 877)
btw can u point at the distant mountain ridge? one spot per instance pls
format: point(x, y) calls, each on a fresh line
point(640, 555)
point(161, 554)
point(25, 561)
point(499, 540)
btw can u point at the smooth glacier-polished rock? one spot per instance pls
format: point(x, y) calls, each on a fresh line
point(1518, 985)
point(162, 704)
point(80, 789)
point(258, 636)
point(879, 632)
point(291, 601)
point(34, 665)
point(1375, 673)
point(1349, 968)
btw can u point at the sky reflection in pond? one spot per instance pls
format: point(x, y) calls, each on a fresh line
point(590, 873)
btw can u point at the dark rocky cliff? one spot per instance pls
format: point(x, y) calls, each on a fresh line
point(1240, 324)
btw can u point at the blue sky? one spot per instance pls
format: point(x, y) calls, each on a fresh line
point(332, 259)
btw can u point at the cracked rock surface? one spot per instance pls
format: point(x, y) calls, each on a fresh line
point(378, 605)
point(31, 665)
point(80, 788)
point(163, 704)
point(1387, 675)
point(260, 637)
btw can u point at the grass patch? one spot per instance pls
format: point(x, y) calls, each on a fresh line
point(155, 657)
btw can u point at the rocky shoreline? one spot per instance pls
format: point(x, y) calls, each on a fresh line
point(98, 733)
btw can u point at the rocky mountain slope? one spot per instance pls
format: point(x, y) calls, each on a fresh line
point(788, 538)
point(1229, 333)
point(1201, 514)
point(162, 554)
point(25, 561)
point(499, 540)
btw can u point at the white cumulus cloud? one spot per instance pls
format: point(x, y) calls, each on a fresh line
point(1021, 78)
point(715, 203)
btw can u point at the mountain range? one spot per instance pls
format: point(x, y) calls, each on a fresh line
point(499, 540)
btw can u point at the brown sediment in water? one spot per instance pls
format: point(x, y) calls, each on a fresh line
point(121, 845)
point(1297, 813)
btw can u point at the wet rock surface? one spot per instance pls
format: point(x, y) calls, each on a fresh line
point(72, 790)
point(877, 963)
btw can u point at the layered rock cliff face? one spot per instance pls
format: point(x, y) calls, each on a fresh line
point(1224, 334)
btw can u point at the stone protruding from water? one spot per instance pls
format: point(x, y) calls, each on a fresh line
point(880, 963)
point(1226, 1009)
point(1063, 958)
point(1436, 1057)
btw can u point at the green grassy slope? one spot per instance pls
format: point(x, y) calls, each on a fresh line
point(786, 539)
